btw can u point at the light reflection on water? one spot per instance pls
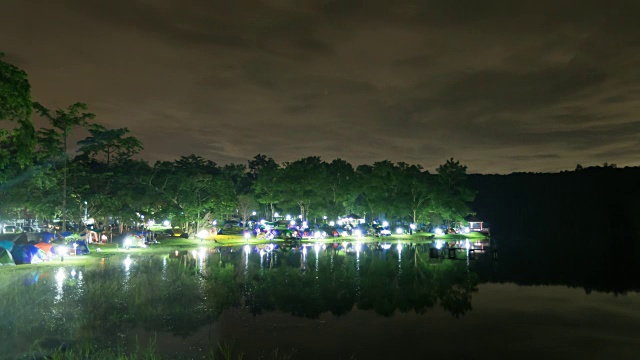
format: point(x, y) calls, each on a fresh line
point(183, 291)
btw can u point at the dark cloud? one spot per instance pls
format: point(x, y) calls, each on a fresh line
point(501, 85)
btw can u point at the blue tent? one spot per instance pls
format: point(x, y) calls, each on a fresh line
point(5, 257)
point(47, 237)
point(27, 254)
point(6, 244)
point(81, 248)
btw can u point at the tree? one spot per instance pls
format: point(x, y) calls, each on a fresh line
point(340, 180)
point(111, 180)
point(303, 180)
point(414, 190)
point(65, 121)
point(109, 145)
point(453, 195)
point(246, 205)
point(267, 186)
point(16, 146)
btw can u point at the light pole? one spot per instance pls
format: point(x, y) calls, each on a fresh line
point(85, 212)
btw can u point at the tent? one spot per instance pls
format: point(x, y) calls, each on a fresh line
point(21, 238)
point(81, 248)
point(47, 237)
point(46, 248)
point(5, 257)
point(28, 254)
point(6, 244)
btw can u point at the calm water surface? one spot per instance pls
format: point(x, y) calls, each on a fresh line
point(319, 303)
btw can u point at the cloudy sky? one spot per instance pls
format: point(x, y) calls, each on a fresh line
point(501, 85)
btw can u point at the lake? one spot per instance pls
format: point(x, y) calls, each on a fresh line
point(318, 303)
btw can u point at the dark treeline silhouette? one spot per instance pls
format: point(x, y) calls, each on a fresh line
point(578, 228)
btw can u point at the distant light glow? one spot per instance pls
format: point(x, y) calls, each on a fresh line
point(399, 247)
point(247, 249)
point(357, 233)
point(253, 213)
point(166, 223)
point(332, 223)
point(292, 222)
point(439, 231)
point(203, 234)
point(385, 246)
point(358, 246)
point(412, 226)
point(399, 231)
point(385, 223)
point(247, 235)
point(439, 244)
point(276, 215)
point(288, 217)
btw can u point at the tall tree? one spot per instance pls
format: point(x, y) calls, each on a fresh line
point(267, 187)
point(109, 145)
point(65, 121)
point(303, 180)
point(16, 146)
point(453, 195)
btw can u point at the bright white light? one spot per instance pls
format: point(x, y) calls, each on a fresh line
point(332, 223)
point(325, 217)
point(166, 223)
point(127, 263)
point(304, 250)
point(215, 222)
point(385, 246)
point(276, 215)
point(304, 225)
point(127, 241)
point(177, 253)
point(253, 213)
point(247, 235)
point(202, 253)
point(64, 251)
point(60, 276)
point(247, 249)
point(399, 231)
point(466, 230)
point(438, 231)
point(202, 234)
point(317, 247)
point(439, 244)
point(399, 247)
point(292, 222)
point(263, 221)
point(194, 253)
point(340, 222)
point(270, 247)
point(317, 235)
point(300, 217)
point(467, 244)
point(344, 244)
point(262, 252)
point(412, 226)
point(357, 233)
point(73, 273)
point(385, 223)
point(288, 217)
point(358, 246)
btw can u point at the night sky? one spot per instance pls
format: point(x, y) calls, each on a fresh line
point(500, 85)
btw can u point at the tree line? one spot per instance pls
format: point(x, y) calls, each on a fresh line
point(106, 179)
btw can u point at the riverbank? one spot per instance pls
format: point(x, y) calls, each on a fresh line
point(102, 252)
